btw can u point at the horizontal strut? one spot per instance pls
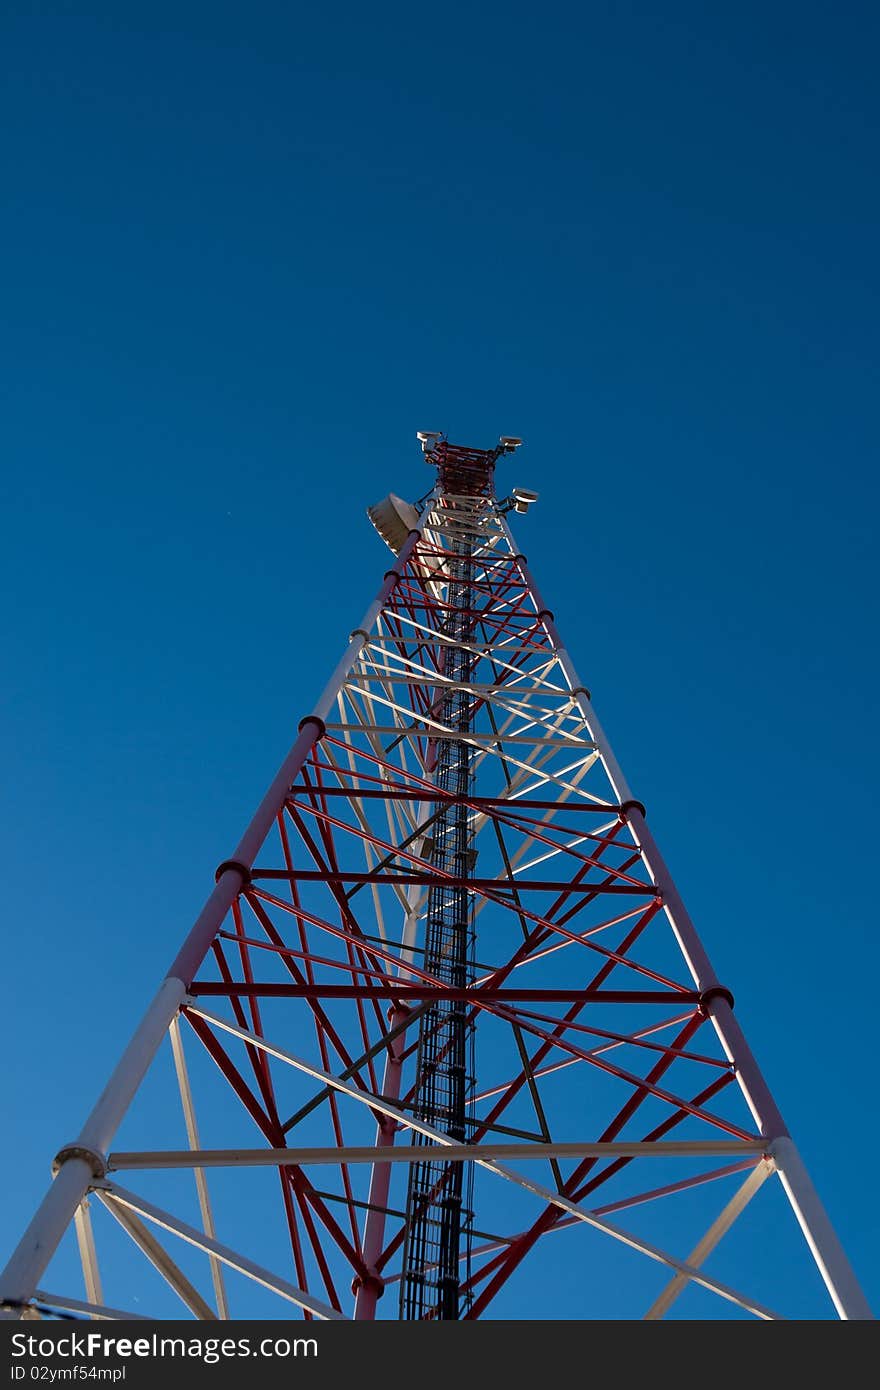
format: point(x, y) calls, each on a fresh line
point(413, 1153)
point(476, 995)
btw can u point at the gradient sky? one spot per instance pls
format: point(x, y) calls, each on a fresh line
point(248, 251)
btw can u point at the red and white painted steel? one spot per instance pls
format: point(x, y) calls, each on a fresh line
point(611, 1070)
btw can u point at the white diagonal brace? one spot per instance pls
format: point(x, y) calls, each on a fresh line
point(158, 1256)
point(120, 1197)
point(192, 1134)
point(720, 1226)
point(93, 1310)
point(513, 701)
point(85, 1238)
point(475, 649)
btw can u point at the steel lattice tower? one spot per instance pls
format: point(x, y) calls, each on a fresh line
point(443, 1002)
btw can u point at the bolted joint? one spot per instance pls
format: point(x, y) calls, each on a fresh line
point(242, 870)
point(392, 574)
point(415, 532)
point(313, 719)
point(716, 992)
point(96, 1161)
point(548, 615)
point(359, 631)
point(633, 806)
point(368, 1281)
point(582, 690)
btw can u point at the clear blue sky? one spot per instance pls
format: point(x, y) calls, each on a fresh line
point(248, 251)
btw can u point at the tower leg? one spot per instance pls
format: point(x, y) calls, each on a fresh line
point(831, 1260)
point(829, 1254)
point(80, 1163)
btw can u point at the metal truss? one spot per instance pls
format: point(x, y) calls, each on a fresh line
point(611, 1079)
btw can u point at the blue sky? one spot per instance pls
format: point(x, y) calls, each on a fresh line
point(247, 254)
